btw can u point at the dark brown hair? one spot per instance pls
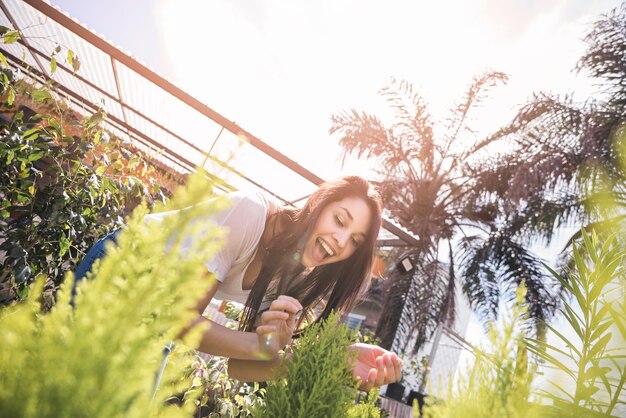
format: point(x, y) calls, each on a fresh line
point(340, 283)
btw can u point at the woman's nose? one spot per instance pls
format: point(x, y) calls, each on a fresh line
point(341, 238)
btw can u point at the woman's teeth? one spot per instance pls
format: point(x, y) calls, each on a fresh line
point(329, 251)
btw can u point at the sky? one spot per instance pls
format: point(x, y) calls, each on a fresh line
point(280, 69)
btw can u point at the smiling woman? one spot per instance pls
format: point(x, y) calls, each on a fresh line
point(280, 262)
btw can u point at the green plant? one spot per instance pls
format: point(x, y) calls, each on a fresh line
point(592, 363)
point(499, 382)
point(367, 409)
point(207, 384)
point(100, 358)
point(57, 196)
point(318, 379)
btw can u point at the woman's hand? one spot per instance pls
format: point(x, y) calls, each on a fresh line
point(375, 366)
point(277, 325)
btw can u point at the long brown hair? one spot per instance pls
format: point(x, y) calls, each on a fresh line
point(340, 283)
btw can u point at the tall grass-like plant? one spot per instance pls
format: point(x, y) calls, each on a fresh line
point(100, 359)
point(499, 382)
point(318, 381)
point(592, 363)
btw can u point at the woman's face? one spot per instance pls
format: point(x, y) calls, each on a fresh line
point(341, 227)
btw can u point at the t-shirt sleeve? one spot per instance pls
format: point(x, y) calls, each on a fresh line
point(244, 221)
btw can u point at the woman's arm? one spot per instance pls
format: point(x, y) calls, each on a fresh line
point(254, 371)
point(274, 333)
point(221, 341)
point(373, 366)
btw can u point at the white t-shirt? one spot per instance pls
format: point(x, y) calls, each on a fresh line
point(245, 222)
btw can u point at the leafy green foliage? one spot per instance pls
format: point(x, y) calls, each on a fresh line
point(100, 358)
point(56, 195)
point(367, 409)
point(499, 382)
point(318, 380)
point(214, 393)
point(592, 364)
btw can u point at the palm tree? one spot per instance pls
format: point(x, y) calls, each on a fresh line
point(428, 180)
point(566, 155)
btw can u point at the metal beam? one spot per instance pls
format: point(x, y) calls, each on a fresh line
point(191, 101)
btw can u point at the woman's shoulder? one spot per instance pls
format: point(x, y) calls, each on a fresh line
point(249, 201)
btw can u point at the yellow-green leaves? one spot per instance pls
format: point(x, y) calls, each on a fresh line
point(592, 360)
point(73, 60)
point(318, 381)
point(10, 36)
point(498, 384)
point(100, 358)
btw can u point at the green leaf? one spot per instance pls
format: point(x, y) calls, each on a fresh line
point(35, 156)
point(5, 214)
point(3, 60)
point(53, 65)
point(588, 391)
point(552, 360)
point(11, 37)
point(600, 345)
point(73, 60)
point(11, 97)
point(601, 329)
point(133, 162)
point(96, 118)
point(64, 245)
point(40, 95)
point(574, 320)
point(31, 134)
point(619, 321)
point(595, 372)
point(565, 340)
point(101, 169)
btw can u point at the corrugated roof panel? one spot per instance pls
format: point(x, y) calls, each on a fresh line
point(20, 52)
point(95, 64)
point(176, 128)
point(165, 109)
point(260, 168)
point(68, 80)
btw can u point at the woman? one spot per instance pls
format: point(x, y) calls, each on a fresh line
point(279, 262)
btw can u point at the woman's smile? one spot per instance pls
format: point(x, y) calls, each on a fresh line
point(339, 230)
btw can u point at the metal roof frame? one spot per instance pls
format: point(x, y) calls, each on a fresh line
point(123, 122)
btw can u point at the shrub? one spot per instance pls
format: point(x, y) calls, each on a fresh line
point(100, 358)
point(498, 384)
point(318, 381)
point(61, 186)
point(592, 365)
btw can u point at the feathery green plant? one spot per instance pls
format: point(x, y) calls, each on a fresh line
point(499, 383)
point(592, 364)
point(367, 409)
point(318, 380)
point(100, 358)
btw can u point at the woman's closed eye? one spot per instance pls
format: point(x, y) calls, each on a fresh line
point(339, 221)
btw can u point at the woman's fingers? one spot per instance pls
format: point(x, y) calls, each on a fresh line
point(371, 380)
point(266, 329)
point(397, 365)
point(380, 371)
point(268, 316)
point(389, 368)
point(286, 303)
